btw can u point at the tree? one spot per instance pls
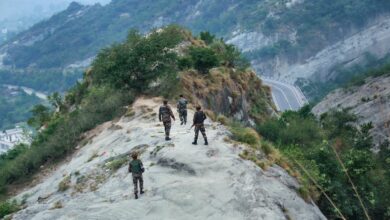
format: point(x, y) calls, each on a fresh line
point(207, 37)
point(203, 58)
point(40, 115)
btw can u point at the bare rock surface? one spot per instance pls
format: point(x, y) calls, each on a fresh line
point(370, 101)
point(182, 181)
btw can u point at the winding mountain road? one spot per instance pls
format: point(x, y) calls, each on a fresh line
point(285, 96)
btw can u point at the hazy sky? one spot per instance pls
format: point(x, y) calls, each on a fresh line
point(15, 9)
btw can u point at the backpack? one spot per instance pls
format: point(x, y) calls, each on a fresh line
point(199, 117)
point(136, 167)
point(182, 104)
point(166, 113)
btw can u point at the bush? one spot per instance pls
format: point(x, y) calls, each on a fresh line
point(203, 58)
point(245, 134)
point(64, 184)
point(139, 61)
point(63, 133)
point(8, 207)
point(117, 163)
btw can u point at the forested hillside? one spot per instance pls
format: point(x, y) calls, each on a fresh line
point(296, 30)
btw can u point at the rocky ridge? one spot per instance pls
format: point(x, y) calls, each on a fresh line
point(182, 181)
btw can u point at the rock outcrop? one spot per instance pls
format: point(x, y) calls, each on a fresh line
point(374, 40)
point(226, 91)
point(370, 101)
point(182, 181)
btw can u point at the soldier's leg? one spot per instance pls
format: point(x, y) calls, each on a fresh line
point(168, 129)
point(203, 131)
point(135, 182)
point(185, 116)
point(141, 184)
point(167, 126)
point(181, 116)
point(196, 134)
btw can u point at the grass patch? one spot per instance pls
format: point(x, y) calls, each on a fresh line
point(8, 207)
point(64, 184)
point(222, 119)
point(57, 205)
point(117, 163)
point(93, 156)
point(245, 134)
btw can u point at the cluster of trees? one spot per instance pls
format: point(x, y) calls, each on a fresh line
point(215, 53)
point(317, 144)
point(50, 80)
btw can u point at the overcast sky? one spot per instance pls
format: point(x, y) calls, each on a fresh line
point(15, 9)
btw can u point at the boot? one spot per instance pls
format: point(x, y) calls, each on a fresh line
point(142, 192)
point(181, 123)
point(206, 142)
point(167, 138)
point(195, 142)
point(136, 196)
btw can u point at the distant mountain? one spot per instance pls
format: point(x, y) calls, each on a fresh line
point(284, 39)
point(18, 15)
point(368, 98)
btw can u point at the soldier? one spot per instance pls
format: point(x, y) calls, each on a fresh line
point(136, 168)
point(165, 115)
point(182, 109)
point(199, 118)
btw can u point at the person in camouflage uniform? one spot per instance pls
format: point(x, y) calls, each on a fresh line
point(165, 115)
point(136, 168)
point(182, 109)
point(198, 122)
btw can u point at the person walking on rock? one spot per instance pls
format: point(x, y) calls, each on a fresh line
point(165, 115)
point(182, 109)
point(136, 168)
point(199, 118)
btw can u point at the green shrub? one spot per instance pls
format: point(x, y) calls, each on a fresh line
point(203, 58)
point(207, 37)
point(139, 61)
point(117, 163)
point(8, 207)
point(64, 184)
point(244, 134)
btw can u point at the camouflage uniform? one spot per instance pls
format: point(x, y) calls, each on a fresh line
point(199, 118)
point(165, 115)
point(182, 109)
point(136, 168)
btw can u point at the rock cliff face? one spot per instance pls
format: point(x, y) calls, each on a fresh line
point(374, 40)
point(182, 181)
point(231, 93)
point(371, 102)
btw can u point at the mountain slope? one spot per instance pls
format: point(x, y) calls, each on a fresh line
point(182, 181)
point(306, 35)
point(370, 101)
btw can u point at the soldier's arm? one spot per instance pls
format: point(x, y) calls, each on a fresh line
point(142, 166)
point(193, 121)
point(159, 114)
point(129, 167)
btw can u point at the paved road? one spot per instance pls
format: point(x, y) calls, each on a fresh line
point(29, 91)
point(285, 96)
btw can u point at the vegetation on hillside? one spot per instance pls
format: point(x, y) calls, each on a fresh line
point(316, 22)
point(345, 78)
point(141, 65)
point(313, 144)
point(15, 108)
